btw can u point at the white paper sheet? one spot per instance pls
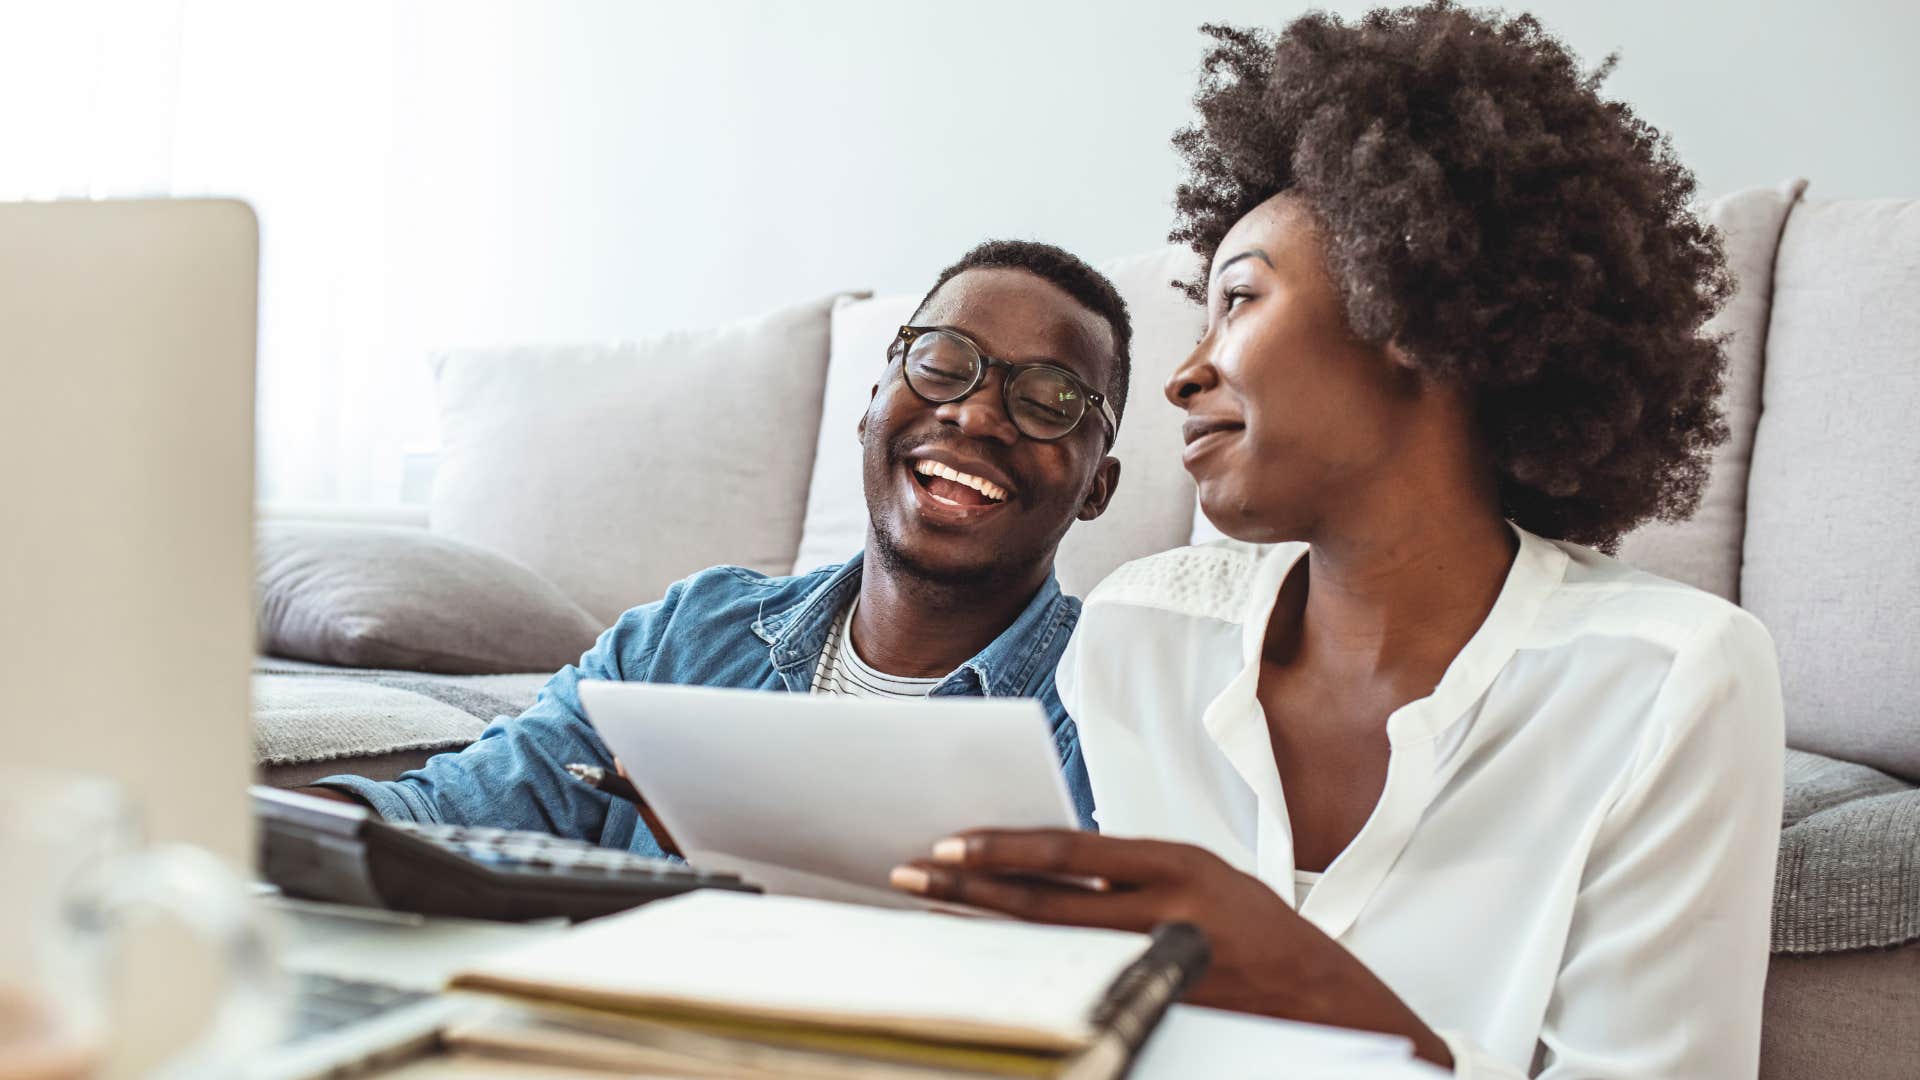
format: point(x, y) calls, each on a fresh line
point(1193, 1041)
point(829, 789)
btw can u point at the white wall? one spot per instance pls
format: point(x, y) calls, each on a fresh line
point(476, 171)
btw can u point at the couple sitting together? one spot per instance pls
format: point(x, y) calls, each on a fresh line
point(1414, 756)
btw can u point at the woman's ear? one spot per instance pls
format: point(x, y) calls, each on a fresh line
point(1400, 357)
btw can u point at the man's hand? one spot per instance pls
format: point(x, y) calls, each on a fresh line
point(1266, 958)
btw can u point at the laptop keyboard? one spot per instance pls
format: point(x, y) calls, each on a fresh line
point(326, 1003)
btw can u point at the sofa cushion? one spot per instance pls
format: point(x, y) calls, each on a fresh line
point(386, 597)
point(1845, 1016)
point(1849, 869)
point(1704, 550)
point(614, 470)
point(1831, 512)
point(836, 518)
point(1152, 508)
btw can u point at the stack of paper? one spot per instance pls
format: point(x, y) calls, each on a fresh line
point(727, 984)
point(790, 987)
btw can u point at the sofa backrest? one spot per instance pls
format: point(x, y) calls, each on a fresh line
point(1809, 520)
point(1833, 498)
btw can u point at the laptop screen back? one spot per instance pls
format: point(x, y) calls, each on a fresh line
point(126, 493)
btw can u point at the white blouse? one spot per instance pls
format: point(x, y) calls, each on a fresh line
point(1570, 869)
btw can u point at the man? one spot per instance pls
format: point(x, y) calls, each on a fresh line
point(985, 438)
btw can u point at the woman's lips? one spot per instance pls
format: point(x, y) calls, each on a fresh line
point(1204, 435)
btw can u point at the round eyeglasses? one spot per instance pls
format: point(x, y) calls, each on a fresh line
point(1044, 402)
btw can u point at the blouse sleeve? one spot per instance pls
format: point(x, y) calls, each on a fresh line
point(1666, 957)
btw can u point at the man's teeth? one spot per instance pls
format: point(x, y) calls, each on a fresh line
point(985, 487)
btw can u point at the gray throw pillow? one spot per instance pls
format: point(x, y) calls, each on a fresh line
point(392, 597)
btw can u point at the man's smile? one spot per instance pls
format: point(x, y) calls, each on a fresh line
point(949, 484)
point(947, 494)
point(955, 487)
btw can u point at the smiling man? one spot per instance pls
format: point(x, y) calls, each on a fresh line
point(985, 438)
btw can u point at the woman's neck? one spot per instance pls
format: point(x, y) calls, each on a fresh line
point(1398, 588)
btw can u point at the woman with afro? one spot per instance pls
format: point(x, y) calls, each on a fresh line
point(1416, 755)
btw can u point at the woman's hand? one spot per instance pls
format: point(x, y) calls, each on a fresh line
point(1266, 958)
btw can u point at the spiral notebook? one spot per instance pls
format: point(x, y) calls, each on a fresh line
point(787, 986)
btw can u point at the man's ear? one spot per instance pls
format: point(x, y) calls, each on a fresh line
point(1106, 479)
point(862, 429)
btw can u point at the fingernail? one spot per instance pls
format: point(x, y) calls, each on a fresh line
point(908, 878)
point(951, 850)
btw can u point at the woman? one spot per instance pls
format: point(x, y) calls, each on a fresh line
point(1430, 764)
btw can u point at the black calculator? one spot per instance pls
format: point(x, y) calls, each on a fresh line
point(319, 849)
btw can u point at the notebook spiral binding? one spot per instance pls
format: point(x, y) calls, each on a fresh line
point(1136, 1001)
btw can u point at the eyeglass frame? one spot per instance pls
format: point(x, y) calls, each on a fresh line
point(904, 340)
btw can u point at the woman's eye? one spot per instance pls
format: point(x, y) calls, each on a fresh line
point(1234, 297)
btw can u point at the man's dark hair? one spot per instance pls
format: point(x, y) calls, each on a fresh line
point(1088, 287)
point(1512, 231)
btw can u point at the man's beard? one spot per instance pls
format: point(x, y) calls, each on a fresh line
point(894, 558)
point(999, 567)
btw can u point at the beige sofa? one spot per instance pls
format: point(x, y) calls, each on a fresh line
point(600, 472)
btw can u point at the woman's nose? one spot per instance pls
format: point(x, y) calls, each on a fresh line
point(1195, 375)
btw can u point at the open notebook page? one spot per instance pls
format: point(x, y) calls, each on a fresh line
point(841, 965)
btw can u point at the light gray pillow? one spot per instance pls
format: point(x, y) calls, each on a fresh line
point(1829, 564)
point(372, 596)
point(615, 470)
point(1704, 550)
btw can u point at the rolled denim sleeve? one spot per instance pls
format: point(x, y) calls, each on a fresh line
point(514, 775)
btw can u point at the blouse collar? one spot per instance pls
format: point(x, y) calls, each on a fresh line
point(1538, 568)
point(1236, 724)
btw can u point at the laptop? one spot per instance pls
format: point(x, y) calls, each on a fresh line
point(127, 333)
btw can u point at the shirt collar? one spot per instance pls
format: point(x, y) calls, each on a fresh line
point(1237, 725)
point(1538, 567)
point(797, 631)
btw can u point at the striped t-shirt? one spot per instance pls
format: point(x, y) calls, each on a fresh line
point(841, 671)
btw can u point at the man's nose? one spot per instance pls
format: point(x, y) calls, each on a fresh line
point(983, 413)
point(1195, 375)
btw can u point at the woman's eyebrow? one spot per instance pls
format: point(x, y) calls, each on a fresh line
point(1253, 252)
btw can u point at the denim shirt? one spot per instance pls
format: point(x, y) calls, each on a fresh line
point(727, 627)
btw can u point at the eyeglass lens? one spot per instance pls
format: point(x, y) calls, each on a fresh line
point(1042, 403)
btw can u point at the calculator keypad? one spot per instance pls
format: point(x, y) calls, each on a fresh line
point(515, 851)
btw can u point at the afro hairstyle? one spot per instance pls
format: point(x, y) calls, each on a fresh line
point(1512, 231)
